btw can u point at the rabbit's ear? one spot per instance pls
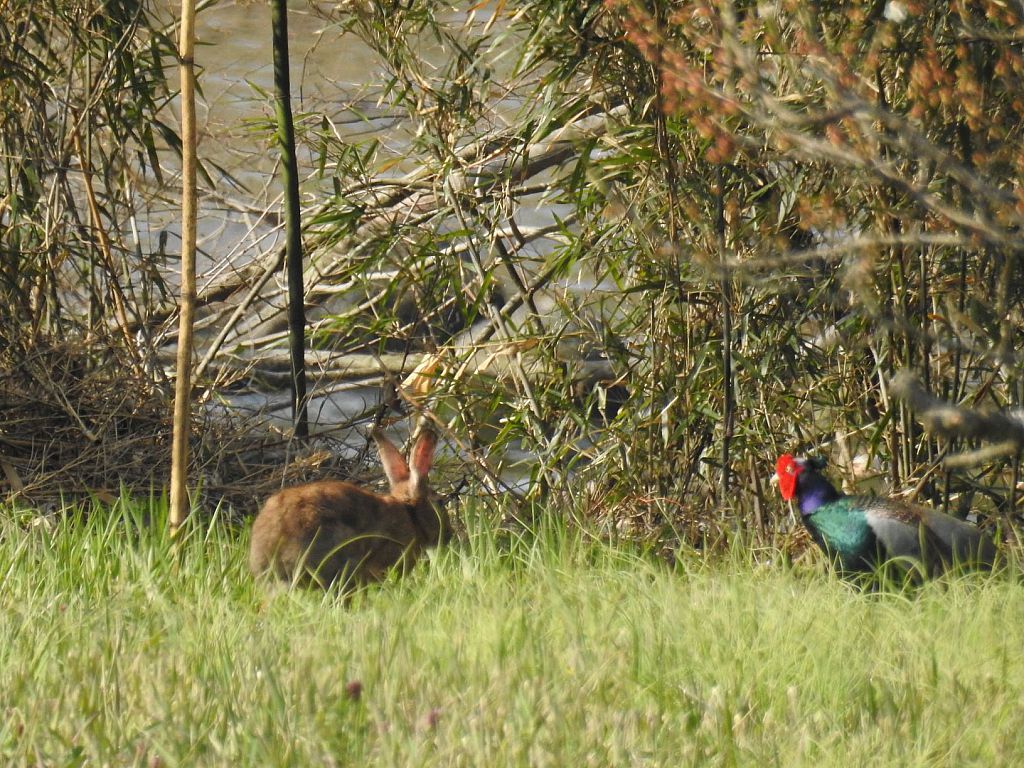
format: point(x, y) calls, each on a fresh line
point(422, 456)
point(394, 465)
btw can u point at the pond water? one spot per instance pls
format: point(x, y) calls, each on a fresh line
point(330, 72)
point(240, 221)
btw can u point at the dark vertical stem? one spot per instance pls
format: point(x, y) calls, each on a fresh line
point(900, 432)
point(893, 431)
point(966, 153)
point(667, 157)
point(904, 356)
point(1005, 356)
point(1018, 396)
point(890, 365)
point(293, 233)
point(961, 303)
point(1011, 512)
point(728, 406)
point(759, 504)
point(95, 304)
point(656, 388)
point(924, 312)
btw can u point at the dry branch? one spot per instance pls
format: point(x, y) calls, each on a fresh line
point(1005, 429)
point(396, 200)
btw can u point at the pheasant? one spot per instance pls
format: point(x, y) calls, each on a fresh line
point(862, 532)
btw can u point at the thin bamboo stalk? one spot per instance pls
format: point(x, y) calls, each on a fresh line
point(728, 391)
point(183, 382)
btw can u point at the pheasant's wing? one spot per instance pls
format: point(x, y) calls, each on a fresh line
point(902, 530)
point(965, 542)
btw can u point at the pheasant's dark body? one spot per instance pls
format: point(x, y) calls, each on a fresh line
point(861, 532)
point(839, 528)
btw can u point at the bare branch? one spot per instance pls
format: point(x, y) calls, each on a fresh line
point(1004, 428)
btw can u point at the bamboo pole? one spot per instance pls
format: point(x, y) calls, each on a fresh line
point(293, 225)
point(183, 382)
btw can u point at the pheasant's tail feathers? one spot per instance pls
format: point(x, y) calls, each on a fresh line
point(938, 540)
point(965, 542)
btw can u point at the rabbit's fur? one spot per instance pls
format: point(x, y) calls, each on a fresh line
point(332, 531)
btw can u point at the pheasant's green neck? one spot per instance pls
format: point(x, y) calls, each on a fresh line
point(841, 527)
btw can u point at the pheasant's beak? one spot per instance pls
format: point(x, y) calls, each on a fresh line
point(774, 481)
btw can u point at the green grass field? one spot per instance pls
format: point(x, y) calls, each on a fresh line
point(549, 650)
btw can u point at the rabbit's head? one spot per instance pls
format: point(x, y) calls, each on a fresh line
point(409, 485)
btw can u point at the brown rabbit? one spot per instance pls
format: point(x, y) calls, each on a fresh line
point(332, 531)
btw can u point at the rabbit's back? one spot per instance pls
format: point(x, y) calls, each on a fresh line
point(328, 529)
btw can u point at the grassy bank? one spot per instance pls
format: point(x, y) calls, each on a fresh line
point(554, 650)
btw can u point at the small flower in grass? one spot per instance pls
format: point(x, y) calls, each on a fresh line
point(353, 690)
point(432, 719)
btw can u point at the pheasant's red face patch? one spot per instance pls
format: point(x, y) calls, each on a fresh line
point(787, 468)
